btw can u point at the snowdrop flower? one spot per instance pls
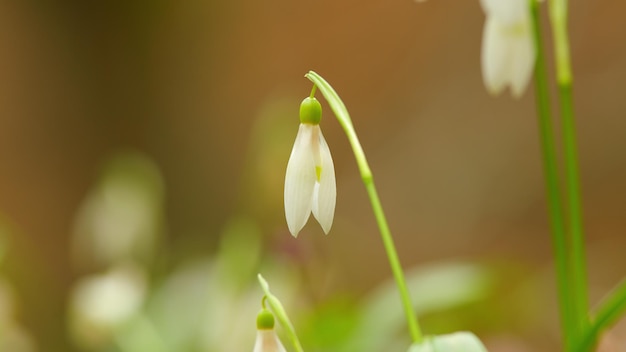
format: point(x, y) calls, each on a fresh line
point(102, 303)
point(310, 178)
point(266, 339)
point(508, 52)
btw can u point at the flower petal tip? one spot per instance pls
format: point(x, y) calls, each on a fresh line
point(294, 233)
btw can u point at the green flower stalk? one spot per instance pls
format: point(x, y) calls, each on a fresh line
point(343, 117)
point(567, 226)
point(553, 191)
point(580, 306)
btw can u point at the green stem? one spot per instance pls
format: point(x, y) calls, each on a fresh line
point(394, 260)
point(312, 95)
point(339, 108)
point(558, 20)
point(343, 117)
point(608, 312)
point(578, 262)
point(550, 165)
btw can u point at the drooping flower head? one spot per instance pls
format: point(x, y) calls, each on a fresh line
point(266, 339)
point(310, 178)
point(508, 51)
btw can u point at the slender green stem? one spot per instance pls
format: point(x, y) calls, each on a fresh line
point(578, 262)
point(608, 312)
point(394, 260)
point(339, 108)
point(312, 95)
point(558, 20)
point(366, 174)
point(550, 165)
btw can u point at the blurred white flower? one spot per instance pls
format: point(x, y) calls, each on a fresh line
point(310, 178)
point(508, 51)
point(267, 341)
point(121, 217)
point(102, 303)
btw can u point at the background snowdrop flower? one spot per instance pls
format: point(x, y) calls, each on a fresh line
point(508, 51)
point(266, 339)
point(310, 178)
point(103, 303)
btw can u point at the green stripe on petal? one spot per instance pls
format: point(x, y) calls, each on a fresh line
point(325, 194)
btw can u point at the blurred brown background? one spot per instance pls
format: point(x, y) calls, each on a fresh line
point(203, 87)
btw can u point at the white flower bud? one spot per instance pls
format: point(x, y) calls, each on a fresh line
point(508, 51)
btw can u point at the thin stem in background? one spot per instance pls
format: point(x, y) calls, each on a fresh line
point(366, 174)
point(550, 166)
point(394, 260)
point(578, 262)
point(578, 272)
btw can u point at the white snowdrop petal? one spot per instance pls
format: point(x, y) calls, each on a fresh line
point(523, 55)
point(508, 12)
point(106, 301)
point(325, 194)
point(267, 341)
point(508, 52)
point(299, 181)
point(495, 58)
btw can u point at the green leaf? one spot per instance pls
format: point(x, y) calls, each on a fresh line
point(381, 316)
point(456, 342)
